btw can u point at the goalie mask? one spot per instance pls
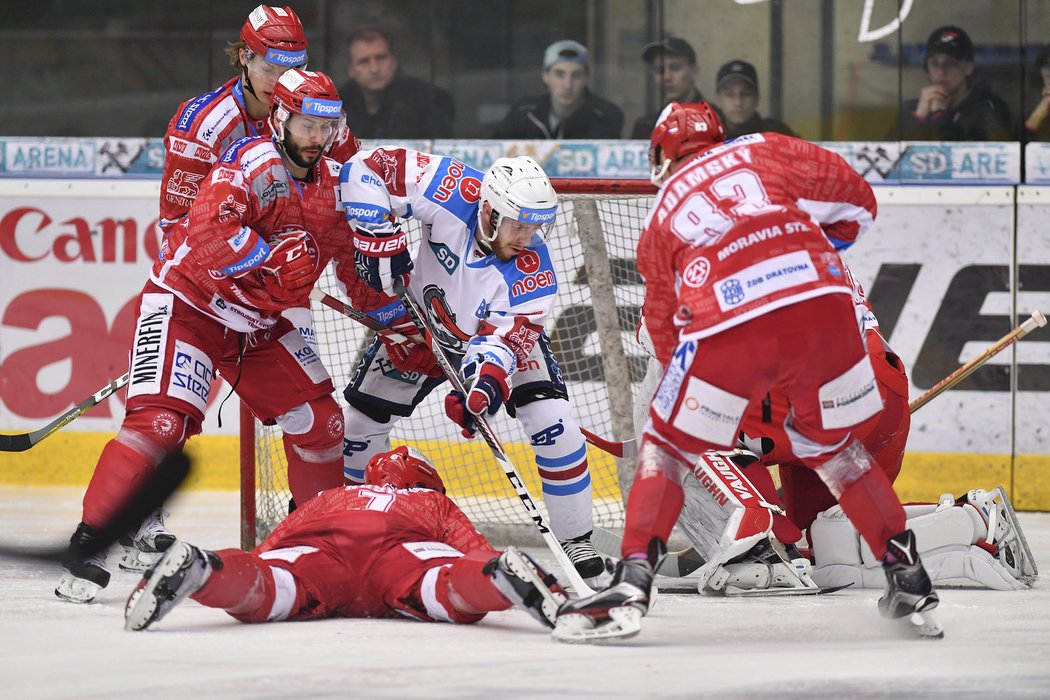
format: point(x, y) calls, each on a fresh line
point(276, 35)
point(682, 130)
point(518, 188)
point(308, 94)
point(403, 468)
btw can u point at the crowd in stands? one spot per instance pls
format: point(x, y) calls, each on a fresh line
point(956, 104)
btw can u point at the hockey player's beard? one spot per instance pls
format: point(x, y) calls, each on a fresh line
point(295, 153)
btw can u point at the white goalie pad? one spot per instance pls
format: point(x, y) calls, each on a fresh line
point(724, 517)
point(977, 542)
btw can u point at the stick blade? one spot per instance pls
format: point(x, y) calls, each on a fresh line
point(15, 443)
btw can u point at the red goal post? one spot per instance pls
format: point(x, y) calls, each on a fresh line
point(592, 244)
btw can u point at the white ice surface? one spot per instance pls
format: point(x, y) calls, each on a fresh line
point(997, 644)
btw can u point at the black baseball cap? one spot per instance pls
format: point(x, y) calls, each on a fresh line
point(737, 70)
point(669, 45)
point(951, 41)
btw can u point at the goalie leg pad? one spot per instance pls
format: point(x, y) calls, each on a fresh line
point(724, 515)
point(951, 540)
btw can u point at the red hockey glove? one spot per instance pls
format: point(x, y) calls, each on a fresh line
point(485, 395)
point(288, 270)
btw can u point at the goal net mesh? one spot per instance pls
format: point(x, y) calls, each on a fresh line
point(592, 332)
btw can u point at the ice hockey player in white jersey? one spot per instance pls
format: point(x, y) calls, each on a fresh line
point(484, 275)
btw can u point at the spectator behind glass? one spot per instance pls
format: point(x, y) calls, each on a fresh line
point(956, 105)
point(737, 92)
point(1037, 127)
point(569, 110)
point(383, 103)
point(672, 62)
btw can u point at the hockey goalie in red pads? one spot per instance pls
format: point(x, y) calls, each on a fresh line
point(740, 258)
point(393, 547)
point(231, 297)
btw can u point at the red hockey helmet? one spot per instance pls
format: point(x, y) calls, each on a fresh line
point(276, 35)
point(403, 468)
point(681, 130)
point(308, 93)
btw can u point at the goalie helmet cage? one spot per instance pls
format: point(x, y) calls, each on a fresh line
point(592, 332)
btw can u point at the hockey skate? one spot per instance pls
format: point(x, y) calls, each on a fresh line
point(84, 576)
point(589, 564)
point(145, 546)
point(525, 584)
point(179, 573)
point(909, 594)
point(615, 613)
point(1005, 541)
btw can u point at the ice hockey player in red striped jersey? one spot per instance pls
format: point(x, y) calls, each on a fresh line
point(393, 547)
point(232, 297)
point(272, 42)
point(740, 258)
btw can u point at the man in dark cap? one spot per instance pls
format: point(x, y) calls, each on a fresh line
point(737, 90)
point(672, 62)
point(568, 110)
point(956, 105)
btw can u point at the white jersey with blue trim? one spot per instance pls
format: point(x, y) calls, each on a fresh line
point(497, 307)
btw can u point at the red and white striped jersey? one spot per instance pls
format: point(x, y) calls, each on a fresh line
point(745, 228)
point(247, 201)
point(199, 133)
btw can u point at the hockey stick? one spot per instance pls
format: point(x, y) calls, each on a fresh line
point(151, 495)
point(23, 441)
point(1037, 320)
point(423, 324)
point(627, 448)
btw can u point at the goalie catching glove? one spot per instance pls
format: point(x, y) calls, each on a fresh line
point(380, 258)
point(288, 271)
point(486, 381)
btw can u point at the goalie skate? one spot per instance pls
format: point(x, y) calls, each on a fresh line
point(768, 568)
point(521, 580)
point(1005, 537)
point(179, 573)
point(145, 546)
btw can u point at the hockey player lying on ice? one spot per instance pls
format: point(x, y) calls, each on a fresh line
point(395, 546)
point(971, 541)
point(746, 293)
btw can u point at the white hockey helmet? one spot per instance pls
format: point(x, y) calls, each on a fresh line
point(518, 188)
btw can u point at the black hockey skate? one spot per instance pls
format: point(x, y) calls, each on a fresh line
point(525, 584)
point(615, 613)
point(909, 594)
point(179, 573)
point(589, 564)
point(84, 576)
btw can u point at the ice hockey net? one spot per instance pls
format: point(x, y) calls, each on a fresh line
point(592, 331)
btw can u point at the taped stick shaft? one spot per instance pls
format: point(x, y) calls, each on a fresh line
point(1037, 320)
